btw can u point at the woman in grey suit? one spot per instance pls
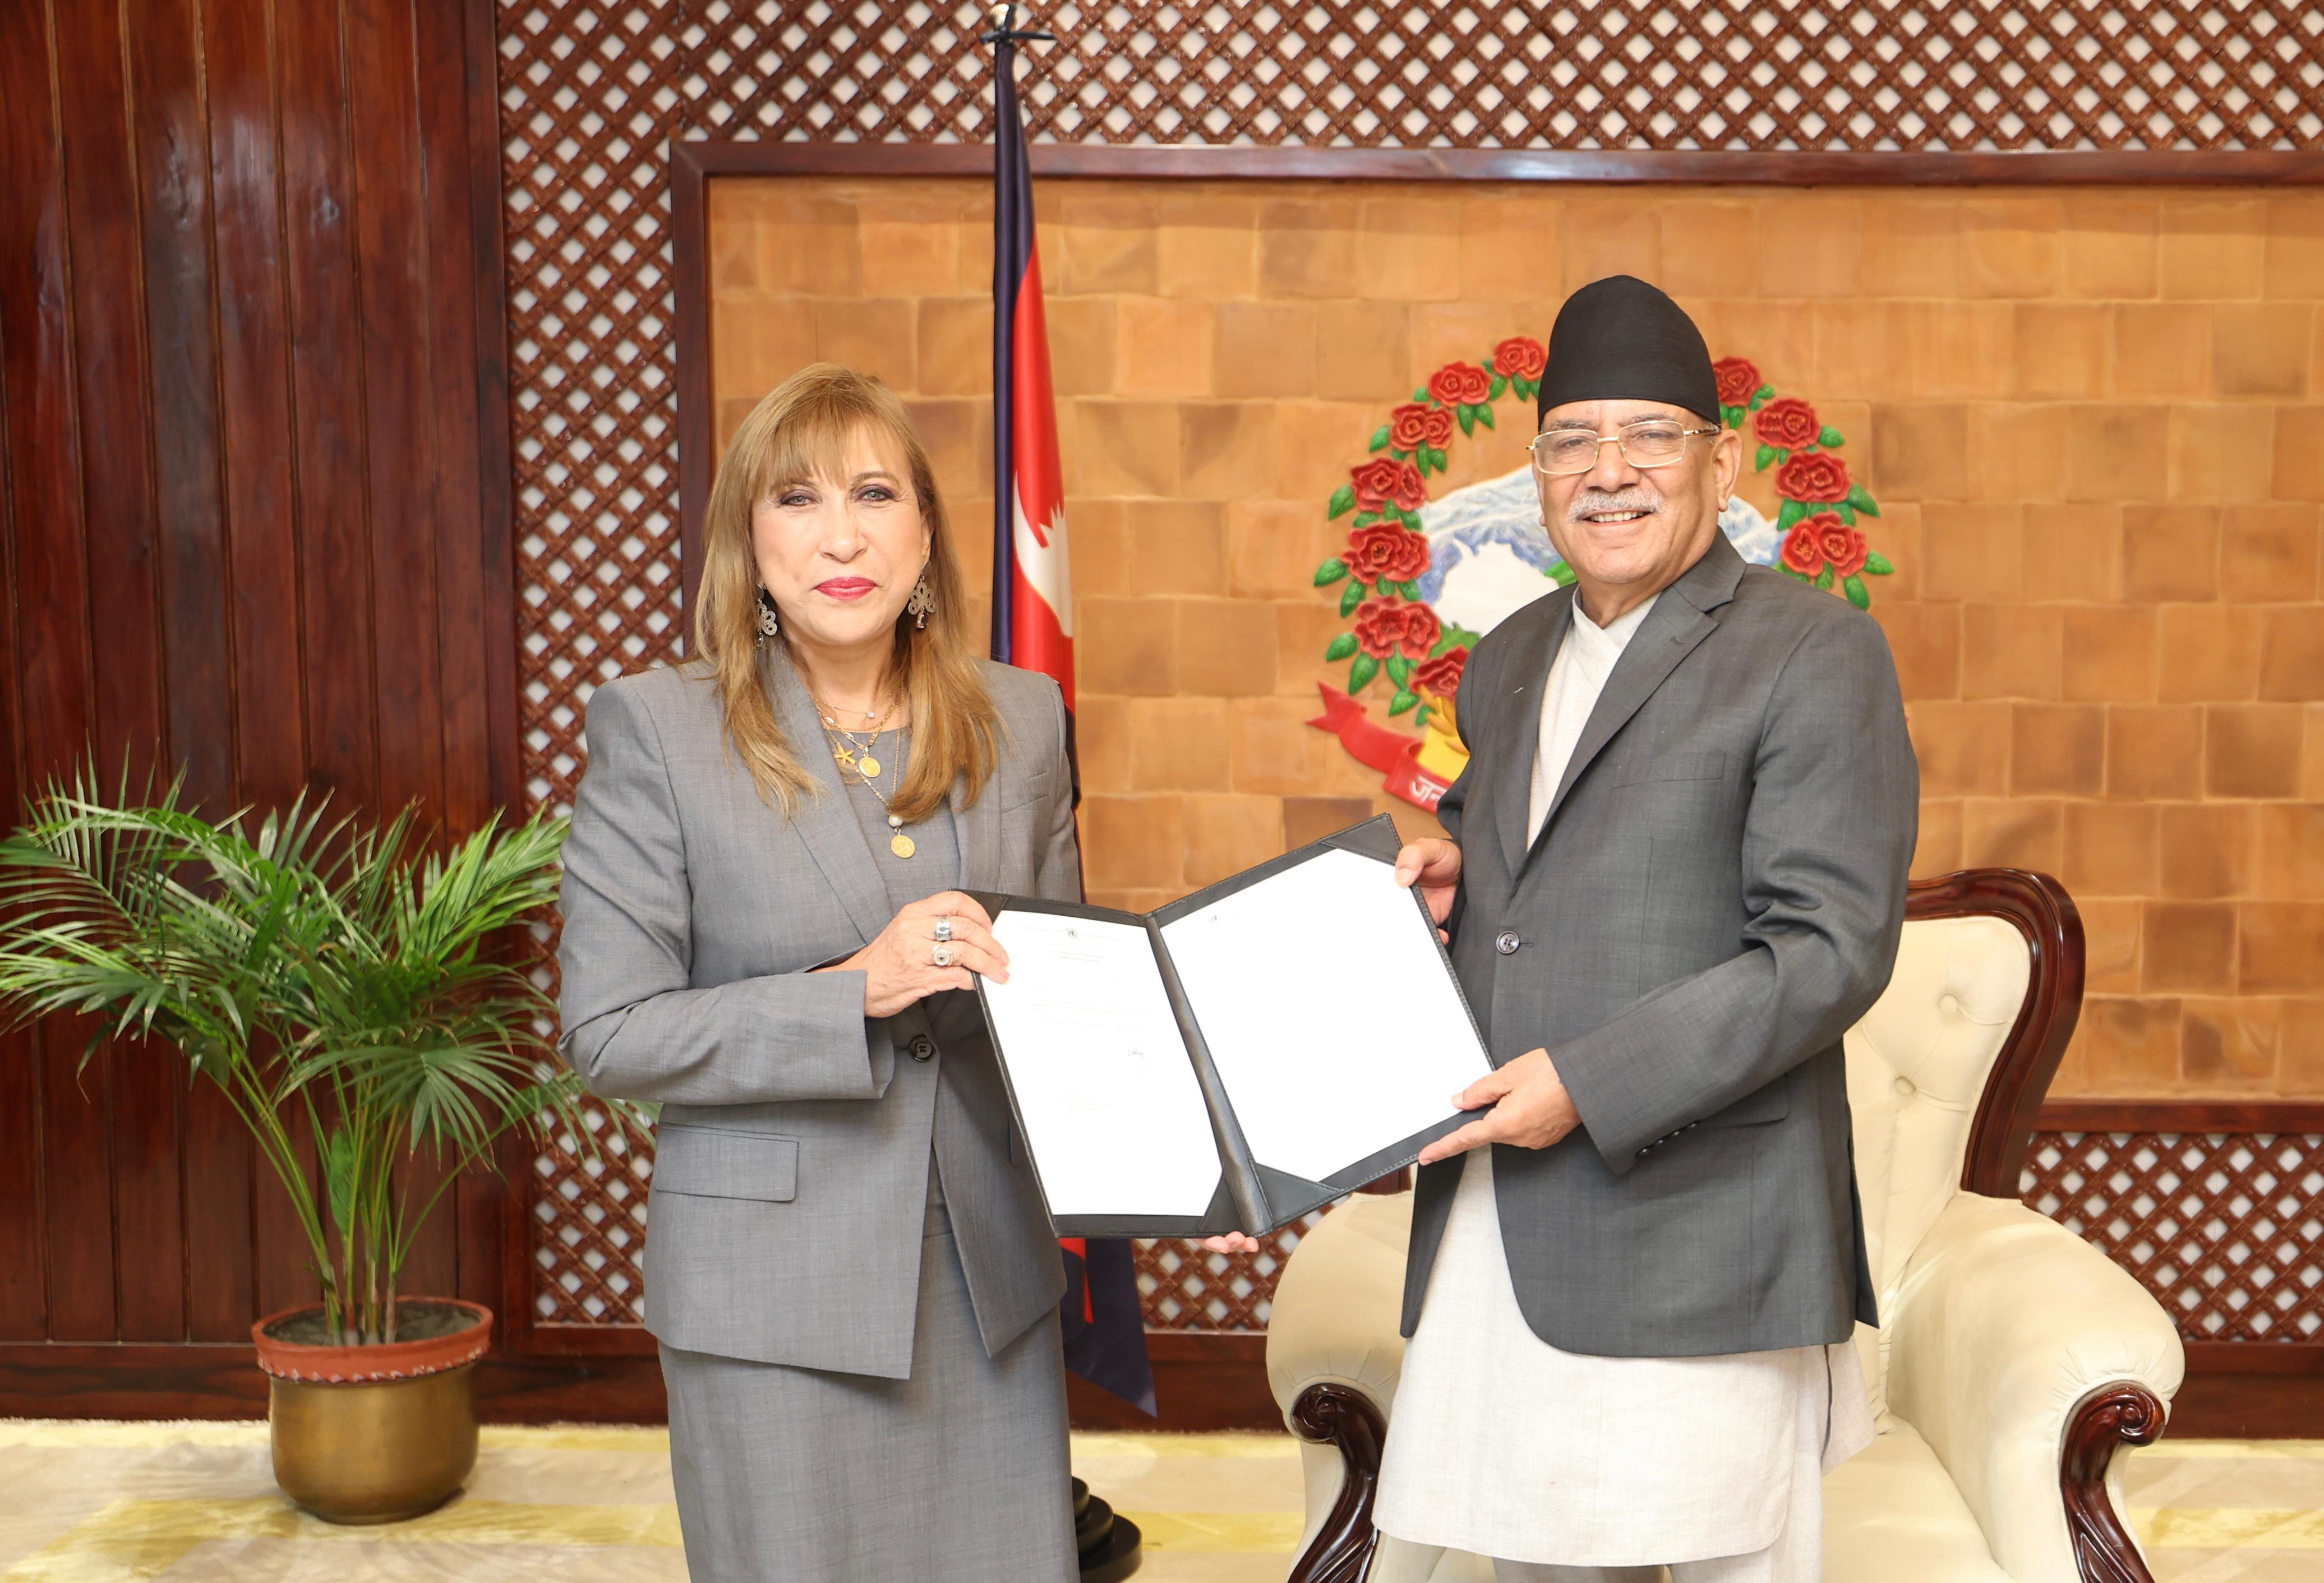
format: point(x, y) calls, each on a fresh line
point(849, 1270)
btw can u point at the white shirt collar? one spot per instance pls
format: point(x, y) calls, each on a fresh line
point(1616, 634)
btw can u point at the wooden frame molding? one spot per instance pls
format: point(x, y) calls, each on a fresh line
point(1707, 167)
point(2182, 1115)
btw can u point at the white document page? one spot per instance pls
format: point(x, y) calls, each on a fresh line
point(1328, 1012)
point(1104, 1087)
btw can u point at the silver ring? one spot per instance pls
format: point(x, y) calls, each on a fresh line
point(942, 955)
point(944, 929)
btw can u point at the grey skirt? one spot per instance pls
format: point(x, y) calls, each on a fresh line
point(961, 1473)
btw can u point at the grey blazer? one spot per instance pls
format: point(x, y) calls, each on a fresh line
point(791, 1162)
point(1715, 896)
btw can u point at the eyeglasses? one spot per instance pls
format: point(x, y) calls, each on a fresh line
point(1651, 444)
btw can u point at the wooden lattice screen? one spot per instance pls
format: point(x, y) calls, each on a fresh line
point(592, 92)
point(2223, 1228)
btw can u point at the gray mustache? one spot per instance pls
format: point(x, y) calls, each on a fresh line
point(1591, 501)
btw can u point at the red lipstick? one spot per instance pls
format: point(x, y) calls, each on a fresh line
point(847, 587)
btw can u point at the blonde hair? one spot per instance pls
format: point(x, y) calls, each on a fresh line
point(799, 433)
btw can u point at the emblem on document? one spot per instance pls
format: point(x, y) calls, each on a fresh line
point(1421, 579)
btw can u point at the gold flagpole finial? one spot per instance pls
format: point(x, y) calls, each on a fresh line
point(1005, 30)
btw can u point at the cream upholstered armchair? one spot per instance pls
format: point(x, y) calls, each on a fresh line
point(2013, 1357)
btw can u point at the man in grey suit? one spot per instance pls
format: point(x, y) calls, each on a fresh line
point(1677, 876)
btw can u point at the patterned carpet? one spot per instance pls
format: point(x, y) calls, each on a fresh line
point(194, 1503)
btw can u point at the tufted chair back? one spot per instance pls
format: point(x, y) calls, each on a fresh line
point(1978, 974)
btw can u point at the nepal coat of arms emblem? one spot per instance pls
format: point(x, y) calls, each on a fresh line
point(1423, 578)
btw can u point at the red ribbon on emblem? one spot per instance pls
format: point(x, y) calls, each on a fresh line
point(1368, 742)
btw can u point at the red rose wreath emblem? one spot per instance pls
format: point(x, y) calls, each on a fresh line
point(1384, 480)
point(1817, 477)
point(1416, 424)
point(1786, 423)
point(1389, 635)
point(1388, 627)
point(1738, 380)
point(1440, 676)
point(1459, 384)
point(1520, 357)
point(1384, 551)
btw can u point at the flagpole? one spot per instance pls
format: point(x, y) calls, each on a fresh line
point(1110, 1548)
point(1006, 221)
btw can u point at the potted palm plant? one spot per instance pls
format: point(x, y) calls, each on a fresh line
point(338, 983)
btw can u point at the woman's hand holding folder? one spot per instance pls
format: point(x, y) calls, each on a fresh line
point(930, 946)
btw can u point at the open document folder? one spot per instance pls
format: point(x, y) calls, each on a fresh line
point(1237, 1058)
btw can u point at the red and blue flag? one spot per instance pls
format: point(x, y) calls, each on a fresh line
point(1033, 626)
point(1032, 590)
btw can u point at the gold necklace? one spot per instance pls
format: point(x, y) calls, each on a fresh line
point(850, 751)
point(902, 845)
point(866, 767)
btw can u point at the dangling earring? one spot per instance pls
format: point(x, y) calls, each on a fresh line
point(768, 624)
point(921, 603)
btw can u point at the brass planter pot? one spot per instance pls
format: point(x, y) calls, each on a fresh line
point(374, 1435)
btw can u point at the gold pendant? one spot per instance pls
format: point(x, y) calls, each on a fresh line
point(846, 760)
point(868, 766)
point(901, 845)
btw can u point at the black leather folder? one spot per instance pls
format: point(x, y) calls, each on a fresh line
point(1253, 1196)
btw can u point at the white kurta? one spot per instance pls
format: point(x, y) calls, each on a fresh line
point(1504, 1446)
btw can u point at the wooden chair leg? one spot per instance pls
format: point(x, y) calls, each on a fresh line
point(2109, 1417)
point(1345, 1417)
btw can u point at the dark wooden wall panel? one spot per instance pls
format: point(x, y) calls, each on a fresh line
point(464, 375)
point(37, 465)
point(254, 405)
point(173, 188)
point(326, 396)
point(253, 435)
point(118, 524)
point(171, 192)
point(390, 234)
point(259, 495)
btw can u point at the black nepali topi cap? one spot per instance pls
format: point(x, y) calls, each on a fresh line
point(1620, 339)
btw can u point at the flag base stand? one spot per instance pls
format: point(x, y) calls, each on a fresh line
point(1109, 1545)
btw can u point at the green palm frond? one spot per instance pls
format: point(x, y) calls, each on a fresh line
point(340, 977)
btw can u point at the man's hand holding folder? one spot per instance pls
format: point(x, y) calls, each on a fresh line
point(1530, 1107)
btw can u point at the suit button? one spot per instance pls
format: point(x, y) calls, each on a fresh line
point(923, 1047)
point(1507, 943)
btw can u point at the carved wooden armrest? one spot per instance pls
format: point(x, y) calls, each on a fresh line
point(1342, 1416)
point(2109, 1417)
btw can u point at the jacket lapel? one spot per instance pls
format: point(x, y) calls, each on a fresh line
point(1517, 714)
point(976, 828)
point(824, 822)
point(1680, 620)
